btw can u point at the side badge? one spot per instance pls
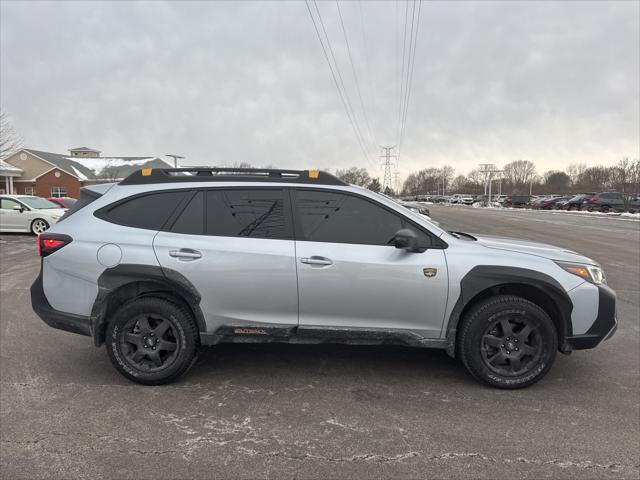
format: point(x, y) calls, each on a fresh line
point(429, 272)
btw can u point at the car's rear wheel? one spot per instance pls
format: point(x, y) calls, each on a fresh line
point(152, 341)
point(507, 342)
point(39, 226)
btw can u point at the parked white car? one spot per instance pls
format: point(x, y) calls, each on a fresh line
point(26, 213)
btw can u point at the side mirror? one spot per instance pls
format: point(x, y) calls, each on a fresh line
point(19, 208)
point(407, 239)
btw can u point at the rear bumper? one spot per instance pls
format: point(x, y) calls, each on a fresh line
point(68, 322)
point(603, 327)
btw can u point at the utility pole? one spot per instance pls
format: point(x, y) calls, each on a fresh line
point(387, 155)
point(175, 159)
point(443, 182)
point(490, 171)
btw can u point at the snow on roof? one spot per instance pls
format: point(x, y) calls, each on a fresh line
point(79, 174)
point(98, 164)
point(7, 167)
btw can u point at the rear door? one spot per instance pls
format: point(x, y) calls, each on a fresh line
point(351, 275)
point(236, 246)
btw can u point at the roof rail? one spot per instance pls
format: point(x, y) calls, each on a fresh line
point(215, 174)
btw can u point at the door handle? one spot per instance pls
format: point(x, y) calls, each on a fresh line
point(315, 260)
point(185, 254)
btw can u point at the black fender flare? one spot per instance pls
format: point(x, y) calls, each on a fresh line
point(125, 274)
point(494, 277)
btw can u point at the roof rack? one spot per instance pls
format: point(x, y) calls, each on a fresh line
point(215, 174)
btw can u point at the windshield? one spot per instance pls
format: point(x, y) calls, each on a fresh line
point(37, 202)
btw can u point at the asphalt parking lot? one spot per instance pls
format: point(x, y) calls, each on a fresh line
point(328, 411)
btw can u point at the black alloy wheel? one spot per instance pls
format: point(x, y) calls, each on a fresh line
point(511, 346)
point(150, 342)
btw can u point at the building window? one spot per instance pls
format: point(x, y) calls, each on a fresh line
point(29, 191)
point(59, 192)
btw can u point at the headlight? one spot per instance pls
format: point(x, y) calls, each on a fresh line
point(590, 273)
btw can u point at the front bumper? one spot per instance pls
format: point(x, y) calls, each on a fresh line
point(604, 325)
point(68, 322)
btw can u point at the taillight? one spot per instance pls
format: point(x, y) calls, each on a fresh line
point(51, 242)
point(594, 199)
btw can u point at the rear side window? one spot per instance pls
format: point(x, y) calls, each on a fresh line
point(149, 211)
point(191, 220)
point(340, 218)
point(255, 213)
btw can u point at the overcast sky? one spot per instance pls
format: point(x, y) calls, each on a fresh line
point(223, 82)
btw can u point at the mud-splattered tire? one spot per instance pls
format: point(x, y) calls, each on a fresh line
point(507, 342)
point(152, 341)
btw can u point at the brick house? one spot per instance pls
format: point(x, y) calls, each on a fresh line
point(47, 174)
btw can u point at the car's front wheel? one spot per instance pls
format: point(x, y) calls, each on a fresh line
point(39, 226)
point(507, 342)
point(152, 341)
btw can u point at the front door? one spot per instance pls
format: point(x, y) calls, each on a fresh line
point(235, 246)
point(351, 275)
point(11, 219)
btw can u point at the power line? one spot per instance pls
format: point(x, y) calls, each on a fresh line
point(355, 75)
point(339, 82)
point(365, 48)
point(411, 65)
point(404, 46)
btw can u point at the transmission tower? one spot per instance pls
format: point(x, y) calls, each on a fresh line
point(387, 181)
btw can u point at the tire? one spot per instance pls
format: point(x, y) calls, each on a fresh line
point(152, 341)
point(39, 226)
point(491, 358)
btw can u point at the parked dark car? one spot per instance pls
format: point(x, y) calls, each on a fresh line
point(516, 200)
point(64, 202)
point(575, 203)
point(605, 202)
point(553, 202)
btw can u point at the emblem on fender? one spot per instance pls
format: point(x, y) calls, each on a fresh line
point(429, 272)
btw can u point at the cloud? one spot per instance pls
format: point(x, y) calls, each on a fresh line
point(224, 82)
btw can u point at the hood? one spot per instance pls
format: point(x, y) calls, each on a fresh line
point(532, 248)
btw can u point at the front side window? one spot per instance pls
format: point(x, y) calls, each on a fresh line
point(8, 204)
point(340, 218)
point(149, 211)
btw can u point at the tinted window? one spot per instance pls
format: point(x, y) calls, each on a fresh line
point(252, 213)
point(339, 218)
point(148, 211)
point(191, 220)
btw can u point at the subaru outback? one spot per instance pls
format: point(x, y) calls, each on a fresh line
point(169, 260)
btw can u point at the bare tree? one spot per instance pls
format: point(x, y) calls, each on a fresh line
point(519, 173)
point(10, 141)
point(355, 176)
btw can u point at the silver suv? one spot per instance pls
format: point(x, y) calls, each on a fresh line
point(168, 260)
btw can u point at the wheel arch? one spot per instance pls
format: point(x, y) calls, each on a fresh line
point(125, 282)
point(486, 281)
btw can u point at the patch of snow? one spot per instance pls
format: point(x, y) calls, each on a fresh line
point(98, 164)
point(79, 174)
